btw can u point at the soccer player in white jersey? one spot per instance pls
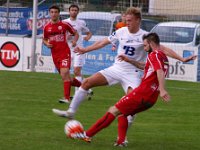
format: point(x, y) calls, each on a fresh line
point(80, 26)
point(130, 45)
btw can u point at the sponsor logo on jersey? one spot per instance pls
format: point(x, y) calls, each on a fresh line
point(59, 27)
point(49, 29)
point(9, 54)
point(153, 87)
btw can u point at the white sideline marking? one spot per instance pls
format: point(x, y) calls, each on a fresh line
point(185, 89)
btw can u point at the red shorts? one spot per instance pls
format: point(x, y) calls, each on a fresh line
point(134, 103)
point(62, 62)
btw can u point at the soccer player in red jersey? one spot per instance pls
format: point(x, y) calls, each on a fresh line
point(55, 38)
point(142, 97)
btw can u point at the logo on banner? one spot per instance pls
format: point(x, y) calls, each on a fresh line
point(9, 54)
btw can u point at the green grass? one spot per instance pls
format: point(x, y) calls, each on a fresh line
point(27, 123)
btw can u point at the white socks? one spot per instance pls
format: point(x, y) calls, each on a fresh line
point(78, 98)
point(130, 120)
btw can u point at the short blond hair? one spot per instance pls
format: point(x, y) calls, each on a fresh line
point(134, 11)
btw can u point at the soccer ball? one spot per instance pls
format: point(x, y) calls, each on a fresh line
point(72, 127)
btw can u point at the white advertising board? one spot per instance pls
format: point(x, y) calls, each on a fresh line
point(44, 62)
point(183, 71)
point(11, 53)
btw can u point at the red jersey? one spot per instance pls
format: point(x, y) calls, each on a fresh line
point(56, 34)
point(149, 86)
point(145, 96)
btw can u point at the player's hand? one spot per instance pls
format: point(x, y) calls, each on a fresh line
point(79, 50)
point(123, 58)
point(164, 95)
point(114, 48)
point(86, 38)
point(49, 45)
point(73, 43)
point(192, 57)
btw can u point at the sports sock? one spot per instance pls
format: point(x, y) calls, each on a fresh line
point(122, 128)
point(103, 122)
point(131, 118)
point(75, 82)
point(67, 89)
point(77, 99)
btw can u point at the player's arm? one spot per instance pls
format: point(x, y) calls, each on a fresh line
point(138, 64)
point(88, 36)
point(161, 80)
point(75, 39)
point(46, 42)
point(169, 52)
point(73, 33)
point(97, 45)
point(45, 39)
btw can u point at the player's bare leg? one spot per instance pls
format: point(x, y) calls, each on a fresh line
point(95, 80)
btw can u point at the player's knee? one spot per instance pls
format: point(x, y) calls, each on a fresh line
point(86, 84)
point(65, 75)
point(113, 110)
point(77, 72)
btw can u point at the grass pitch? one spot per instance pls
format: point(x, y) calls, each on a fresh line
point(27, 122)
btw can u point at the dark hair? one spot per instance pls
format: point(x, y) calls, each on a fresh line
point(73, 6)
point(152, 37)
point(54, 7)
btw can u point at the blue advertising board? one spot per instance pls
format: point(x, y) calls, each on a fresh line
point(20, 20)
point(99, 59)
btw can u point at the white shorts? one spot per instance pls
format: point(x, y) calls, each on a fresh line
point(77, 60)
point(131, 78)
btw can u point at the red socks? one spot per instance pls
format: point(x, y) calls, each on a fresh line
point(75, 82)
point(122, 128)
point(67, 89)
point(103, 122)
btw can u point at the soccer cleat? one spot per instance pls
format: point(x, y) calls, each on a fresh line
point(64, 100)
point(90, 94)
point(81, 136)
point(123, 144)
point(63, 113)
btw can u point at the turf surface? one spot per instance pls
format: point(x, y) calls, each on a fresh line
point(27, 122)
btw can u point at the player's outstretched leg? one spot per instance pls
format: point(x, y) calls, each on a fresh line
point(63, 113)
point(77, 99)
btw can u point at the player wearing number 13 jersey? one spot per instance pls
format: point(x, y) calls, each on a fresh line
point(131, 46)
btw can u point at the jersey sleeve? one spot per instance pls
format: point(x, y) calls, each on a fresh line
point(85, 29)
point(156, 61)
point(69, 27)
point(45, 34)
point(113, 38)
